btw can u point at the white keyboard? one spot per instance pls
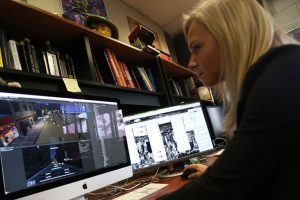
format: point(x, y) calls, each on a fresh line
point(142, 192)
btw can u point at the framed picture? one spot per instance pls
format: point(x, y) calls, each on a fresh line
point(133, 23)
point(77, 10)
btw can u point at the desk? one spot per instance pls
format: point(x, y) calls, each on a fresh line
point(173, 184)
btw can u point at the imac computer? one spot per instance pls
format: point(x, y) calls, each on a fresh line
point(167, 135)
point(215, 116)
point(55, 146)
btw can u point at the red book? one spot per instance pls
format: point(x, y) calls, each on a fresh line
point(115, 60)
point(112, 65)
point(128, 75)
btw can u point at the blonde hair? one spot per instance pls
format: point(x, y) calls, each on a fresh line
point(244, 31)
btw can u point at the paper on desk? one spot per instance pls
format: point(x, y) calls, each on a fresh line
point(71, 85)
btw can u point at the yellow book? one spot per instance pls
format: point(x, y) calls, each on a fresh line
point(1, 60)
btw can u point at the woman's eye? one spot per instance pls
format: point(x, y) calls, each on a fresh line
point(195, 48)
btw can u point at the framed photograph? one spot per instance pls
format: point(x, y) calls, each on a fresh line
point(133, 23)
point(77, 10)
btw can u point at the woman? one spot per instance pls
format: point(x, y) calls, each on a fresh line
point(255, 67)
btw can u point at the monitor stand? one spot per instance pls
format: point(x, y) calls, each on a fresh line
point(171, 171)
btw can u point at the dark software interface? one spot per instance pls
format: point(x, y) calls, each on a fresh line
point(44, 139)
point(166, 134)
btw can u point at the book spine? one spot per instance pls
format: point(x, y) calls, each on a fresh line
point(62, 64)
point(12, 46)
point(45, 60)
point(136, 83)
point(52, 63)
point(140, 79)
point(72, 67)
point(124, 74)
point(1, 59)
point(151, 77)
point(128, 75)
point(35, 60)
point(148, 79)
point(29, 56)
point(115, 60)
point(109, 71)
point(3, 45)
point(113, 67)
point(145, 78)
point(22, 55)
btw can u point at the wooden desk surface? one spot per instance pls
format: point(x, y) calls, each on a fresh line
point(173, 184)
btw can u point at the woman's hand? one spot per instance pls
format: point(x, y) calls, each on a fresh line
point(200, 168)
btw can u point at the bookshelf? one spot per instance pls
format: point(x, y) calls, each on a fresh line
point(176, 73)
point(23, 20)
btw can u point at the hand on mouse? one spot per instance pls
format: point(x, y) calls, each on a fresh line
point(200, 168)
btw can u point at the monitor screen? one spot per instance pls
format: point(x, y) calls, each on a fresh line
point(59, 147)
point(215, 115)
point(166, 135)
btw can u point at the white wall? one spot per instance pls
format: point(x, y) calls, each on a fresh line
point(285, 12)
point(117, 12)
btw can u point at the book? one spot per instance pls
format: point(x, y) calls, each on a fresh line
point(151, 77)
point(1, 59)
point(128, 75)
point(136, 83)
point(140, 79)
point(185, 87)
point(14, 55)
point(113, 67)
point(51, 60)
point(22, 55)
point(99, 76)
point(173, 86)
point(71, 73)
point(62, 64)
point(101, 61)
point(124, 74)
point(35, 59)
point(146, 78)
point(28, 52)
point(4, 51)
point(118, 67)
point(40, 60)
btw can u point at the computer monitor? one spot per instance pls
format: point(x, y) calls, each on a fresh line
point(215, 116)
point(57, 146)
point(167, 135)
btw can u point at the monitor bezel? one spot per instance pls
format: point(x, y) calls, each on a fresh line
point(180, 159)
point(70, 180)
point(209, 121)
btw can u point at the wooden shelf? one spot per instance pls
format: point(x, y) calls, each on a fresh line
point(40, 26)
point(173, 70)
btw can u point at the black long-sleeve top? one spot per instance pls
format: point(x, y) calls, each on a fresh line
point(262, 160)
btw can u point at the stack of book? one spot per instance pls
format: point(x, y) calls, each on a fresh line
point(183, 87)
point(110, 69)
point(25, 56)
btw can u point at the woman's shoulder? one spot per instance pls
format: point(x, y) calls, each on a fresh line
point(276, 59)
point(283, 52)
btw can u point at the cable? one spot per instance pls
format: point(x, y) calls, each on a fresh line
point(222, 144)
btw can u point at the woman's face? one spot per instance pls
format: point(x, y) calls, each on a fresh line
point(205, 57)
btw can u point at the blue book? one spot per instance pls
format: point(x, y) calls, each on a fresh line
point(150, 75)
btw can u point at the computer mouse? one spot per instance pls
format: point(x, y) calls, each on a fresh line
point(186, 173)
